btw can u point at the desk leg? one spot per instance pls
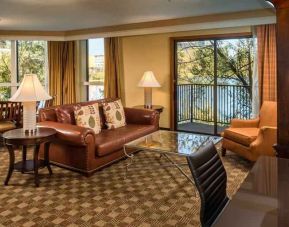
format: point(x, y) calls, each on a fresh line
point(11, 163)
point(46, 157)
point(35, 162)
point(24, 156)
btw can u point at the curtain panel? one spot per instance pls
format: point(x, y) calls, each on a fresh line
point(114, 80)
point(267, 62)
point(61, 60)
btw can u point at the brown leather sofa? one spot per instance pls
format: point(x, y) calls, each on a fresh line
point(80, 149)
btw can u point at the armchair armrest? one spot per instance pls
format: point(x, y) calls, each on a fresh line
point(238, 123)
point(266, 138)
point(142, 116)
point(70, 134)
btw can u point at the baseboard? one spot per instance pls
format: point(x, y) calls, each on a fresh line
point(167, 129)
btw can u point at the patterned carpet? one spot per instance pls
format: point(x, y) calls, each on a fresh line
point(160, 197)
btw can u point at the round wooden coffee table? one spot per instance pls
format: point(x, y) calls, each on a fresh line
point(18, 137)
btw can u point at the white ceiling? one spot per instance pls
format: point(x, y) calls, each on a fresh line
point(63, 15)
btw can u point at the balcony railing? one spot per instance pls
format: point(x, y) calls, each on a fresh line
point(196, 103)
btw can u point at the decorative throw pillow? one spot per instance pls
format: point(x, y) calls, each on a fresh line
point(114, 114)
point(88, 117)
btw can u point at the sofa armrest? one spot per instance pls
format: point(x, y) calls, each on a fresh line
point(266, 138)
point(142, 116)
point(238, 123)
point(70, 134)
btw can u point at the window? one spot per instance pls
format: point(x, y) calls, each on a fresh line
point(95, 62)
point(18, 58)
point(5, 69)
point(32, 59)
point(214, 82)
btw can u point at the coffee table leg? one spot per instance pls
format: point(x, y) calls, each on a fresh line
point(46, 157)
point(130, 161)
point(11, 163)
point(24, 155)
point(35, 162)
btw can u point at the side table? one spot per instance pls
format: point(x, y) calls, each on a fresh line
point(153, 107)
point(18, 137)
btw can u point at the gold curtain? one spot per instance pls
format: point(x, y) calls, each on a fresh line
point(114, 80)
point(61, 60)
point(267, 62)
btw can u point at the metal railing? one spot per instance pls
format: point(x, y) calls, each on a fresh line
point(195, 102)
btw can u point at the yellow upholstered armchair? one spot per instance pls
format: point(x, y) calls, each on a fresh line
point(252, 138)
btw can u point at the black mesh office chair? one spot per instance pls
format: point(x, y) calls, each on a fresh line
point(211, 181)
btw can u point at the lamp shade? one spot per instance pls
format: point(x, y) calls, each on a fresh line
point(148, 80)
point(30, 90)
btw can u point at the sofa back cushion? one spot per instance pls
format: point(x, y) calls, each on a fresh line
point(65, 115)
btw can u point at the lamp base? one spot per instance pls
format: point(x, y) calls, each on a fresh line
point(29, 117)
point(148, 97)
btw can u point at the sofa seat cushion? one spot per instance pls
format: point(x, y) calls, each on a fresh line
point(244, 136)
point(110, 140)
point(6, 126)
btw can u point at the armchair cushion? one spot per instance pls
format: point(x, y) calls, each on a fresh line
point(244, 136)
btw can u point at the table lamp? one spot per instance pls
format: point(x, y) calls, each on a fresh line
point(29, 92)
point(148, 81)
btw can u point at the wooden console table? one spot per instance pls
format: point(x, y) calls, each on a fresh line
point(154, 107)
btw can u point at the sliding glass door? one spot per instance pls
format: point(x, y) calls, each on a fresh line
point(213, 83)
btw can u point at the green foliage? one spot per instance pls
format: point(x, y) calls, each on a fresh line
point(234, 61)
point(31, 59)
point(5, 61)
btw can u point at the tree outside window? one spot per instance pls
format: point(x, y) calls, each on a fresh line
point(18, 58)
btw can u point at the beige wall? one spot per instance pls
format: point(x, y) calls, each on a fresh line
point(152, 52)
